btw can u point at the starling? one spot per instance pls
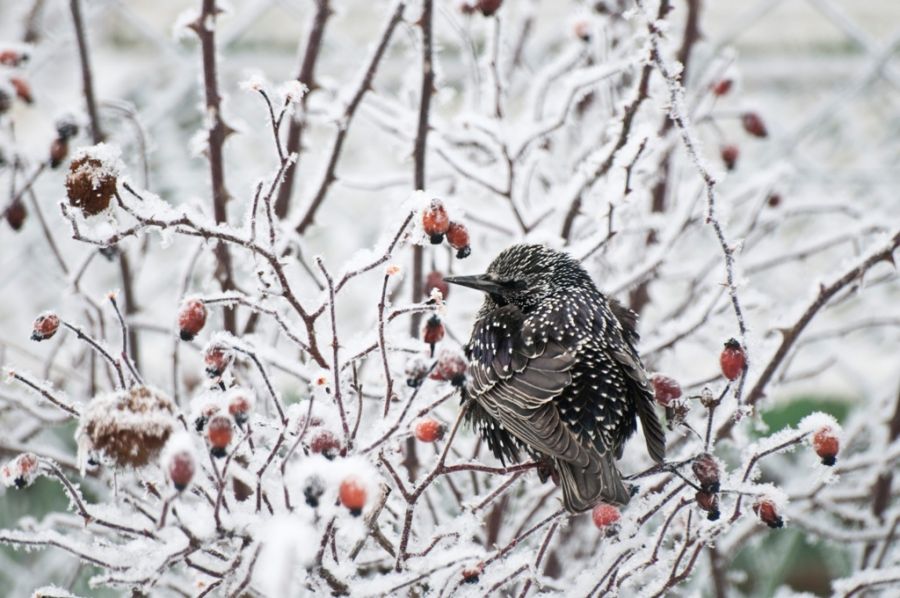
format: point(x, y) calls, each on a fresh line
point(554, 372)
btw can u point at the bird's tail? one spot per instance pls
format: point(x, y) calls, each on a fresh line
point(583, 487)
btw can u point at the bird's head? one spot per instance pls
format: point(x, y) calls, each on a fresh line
point(524, 275)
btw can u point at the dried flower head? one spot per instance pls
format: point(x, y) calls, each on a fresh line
point(130, 427)
point(90, 184)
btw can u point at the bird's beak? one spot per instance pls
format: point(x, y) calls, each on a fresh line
point(479, 282)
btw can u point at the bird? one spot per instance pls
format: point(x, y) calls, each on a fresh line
point(554, 372)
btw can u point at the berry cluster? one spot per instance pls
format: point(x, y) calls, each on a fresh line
point(437, 224)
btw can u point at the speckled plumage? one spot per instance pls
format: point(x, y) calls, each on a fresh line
point(554, 371)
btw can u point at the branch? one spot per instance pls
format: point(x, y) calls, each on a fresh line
point(205, 28)
point(87, 81)
point(307, 78)
point(344, 124)
point(790, 335)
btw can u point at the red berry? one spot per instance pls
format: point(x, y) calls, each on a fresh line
point(22, 470)
point(181, 469)
point(458, 237)
point(433, 332)
point(429, 430)
point(707, 471)
point(435, 221)
point(16, 214)
point(353, 495)
point(66, 128)
point(45, 326)
point(489, 7)
point(217, 358)
point(733, 359)
point(754, 124)
point(767, 512)
point(313, 490)
point(605, 515)
point(191, 318)
point(59, 149)
point(450, 367)
point(709, 502)
point(219, 433)
point(325, 443)
point(435, 280)
point(730, 155)
point(472, 573)
point(665, 389)
point(23, 89)
point(827, 445)
point(12, 57)
point(582, 30)
point(416, 370)
point(774, 199)
point(239, 407)
point(722, 87)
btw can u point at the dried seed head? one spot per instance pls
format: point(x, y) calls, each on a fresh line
point(90, 185)
point(130, 427)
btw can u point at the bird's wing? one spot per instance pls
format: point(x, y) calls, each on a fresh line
point(515, 376)
point(642, 396)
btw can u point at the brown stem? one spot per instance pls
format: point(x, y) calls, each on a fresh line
point(640, 296)
point(298, 122)
point(790, 335)
point(643, 88)
point(881, 490)
point(421, 147)
point(329, 176)
point(86, 73)
point(218, 131)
